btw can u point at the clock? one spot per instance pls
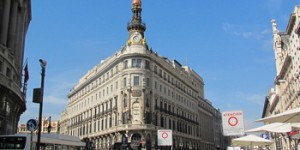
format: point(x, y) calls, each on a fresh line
point(136, 38)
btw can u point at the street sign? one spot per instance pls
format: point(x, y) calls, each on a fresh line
point(233, 123)
point(32, 125)
point(164, 137)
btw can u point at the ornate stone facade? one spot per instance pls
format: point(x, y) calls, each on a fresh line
point(134, 93)
point(15, 16)
point(285, 94)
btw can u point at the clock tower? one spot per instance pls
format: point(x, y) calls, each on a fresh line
point(136, 27)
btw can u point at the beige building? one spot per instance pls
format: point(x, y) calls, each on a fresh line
point(15, 16)
point(136, 92)
point(46, 121)
point(285, 94)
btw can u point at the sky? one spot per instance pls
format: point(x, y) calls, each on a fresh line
point(228, 43)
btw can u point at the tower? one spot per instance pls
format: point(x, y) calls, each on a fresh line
point(136, 27)
point(124, 100)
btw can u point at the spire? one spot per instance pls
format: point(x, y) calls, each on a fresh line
point(136, 27)
point(136, 23)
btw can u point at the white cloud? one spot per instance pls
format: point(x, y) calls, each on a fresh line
point(51, 99)
point(245, 31)
point(257, 99)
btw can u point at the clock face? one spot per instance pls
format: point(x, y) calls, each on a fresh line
point(136, 38)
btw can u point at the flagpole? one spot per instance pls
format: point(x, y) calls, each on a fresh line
point(26, 77)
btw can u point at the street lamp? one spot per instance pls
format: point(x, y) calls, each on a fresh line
point(39, 99)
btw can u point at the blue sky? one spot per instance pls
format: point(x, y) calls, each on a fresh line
point(228, 43)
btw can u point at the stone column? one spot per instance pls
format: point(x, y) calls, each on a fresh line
point(20, 38)
point(5, 22)
point(12, 25)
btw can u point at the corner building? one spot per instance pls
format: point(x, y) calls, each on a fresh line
point(285, 95)
point(134, 93)
point(15, 16)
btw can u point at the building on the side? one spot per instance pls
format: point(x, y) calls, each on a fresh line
point(48, 126)
point(221, 142)
point(134, 93)
point(285, 94)
point(15, 16)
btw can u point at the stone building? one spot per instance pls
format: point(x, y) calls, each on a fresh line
point(285, 94)
point(129, 96)
point(15, 16)
point(46, 121)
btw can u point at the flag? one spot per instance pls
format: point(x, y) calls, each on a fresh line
point(26, 75)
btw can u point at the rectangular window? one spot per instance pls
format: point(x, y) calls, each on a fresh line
point(136, 80)
point(148, 82)
point(160, 72)
point(117, 69)
point(147, 64)
point(110, 122)
point(8, 72)
point(124, 118)
point(116, 120)
point(98, 125)
point(125, 82)
point(116, 101)
point(126, 64)
point(155, 69)
point(125, 101)
point(136, 63)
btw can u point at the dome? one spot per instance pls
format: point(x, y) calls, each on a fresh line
point(136, 2)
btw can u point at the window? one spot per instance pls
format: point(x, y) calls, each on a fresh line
point(8, 72)
point(116, 101)
point(126, 64)
point(147, 82)
point(125, 82)
point(125, 101)
point(136, 80)
point(110, 122)
point(136, 63)
point(147, 64)
point(160, 72)
point(117, 69)
point(155, 69)
point(162, 121)
point(124, 118)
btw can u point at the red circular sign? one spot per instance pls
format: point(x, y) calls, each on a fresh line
point(164, 135)
point(233, 121)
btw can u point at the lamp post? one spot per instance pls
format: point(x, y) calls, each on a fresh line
point(43, 65)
